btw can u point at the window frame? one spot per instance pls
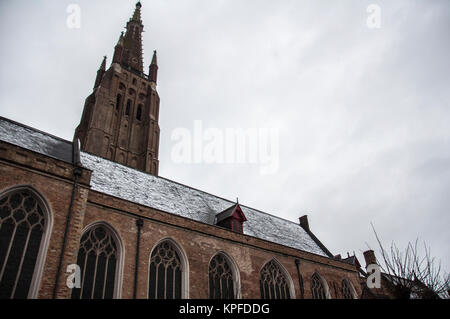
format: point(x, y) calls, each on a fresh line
point(185, 266)
point(235, 274)
point(118, 280)
point(35, 284)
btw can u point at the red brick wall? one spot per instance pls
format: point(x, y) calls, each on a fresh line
point(54, 180)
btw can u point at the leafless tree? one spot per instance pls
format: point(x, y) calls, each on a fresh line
point(412, 273)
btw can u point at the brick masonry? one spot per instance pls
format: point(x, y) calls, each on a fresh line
point(53, 179)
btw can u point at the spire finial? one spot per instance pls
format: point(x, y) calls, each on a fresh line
point(103, 65)
point(154, 59)
point(137, 12)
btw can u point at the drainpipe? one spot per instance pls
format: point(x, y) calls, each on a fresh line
point(77, 171)
point(139, 224)
point(300, 279)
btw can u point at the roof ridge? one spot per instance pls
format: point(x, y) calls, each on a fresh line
point(34, 129)
point(160, 177)
point(198, 190)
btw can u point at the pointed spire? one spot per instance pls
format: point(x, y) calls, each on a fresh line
point(137, 13)
point(154, 59)
point(153, 71)
point(100, 73)
point(131, 42)
point(118, 49)
point(120, 42)
point(103, 65)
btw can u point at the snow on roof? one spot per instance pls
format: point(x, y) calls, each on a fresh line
point(35, 140)
point(139, 187)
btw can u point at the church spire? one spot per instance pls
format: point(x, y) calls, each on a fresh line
point(137, 13)
point(131, 43)
point(120, 118)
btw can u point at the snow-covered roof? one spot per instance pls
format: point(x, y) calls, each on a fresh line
point(156, 192)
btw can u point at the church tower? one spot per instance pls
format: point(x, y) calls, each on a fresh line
point(120, 117)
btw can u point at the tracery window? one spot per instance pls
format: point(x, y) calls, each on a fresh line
point(317, 288)
point(98, 260)
point(22, 226)
point(347, 292)
point(165, 272)
point(221, 283)
point(273, 282)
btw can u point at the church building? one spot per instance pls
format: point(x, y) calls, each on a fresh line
point(92, 219)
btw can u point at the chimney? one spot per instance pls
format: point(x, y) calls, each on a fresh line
point(370, 258)
point(304, 222)
point(338, 257)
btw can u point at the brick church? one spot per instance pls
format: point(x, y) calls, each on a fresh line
point(96, 211)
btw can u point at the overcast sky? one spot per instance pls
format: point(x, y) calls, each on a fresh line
point(363, 114)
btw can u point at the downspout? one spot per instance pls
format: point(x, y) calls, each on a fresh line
point(77, 171)
point(139, 224)
point(300, 279)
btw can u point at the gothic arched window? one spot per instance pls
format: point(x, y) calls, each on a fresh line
point(347, 290)
point(273, 282)
point(23, 223)
point(139, 112)
point(118, 100)
point(317, 287)
point(165, 272)
point(98, 259)
point(127, 110)
point(221, 283)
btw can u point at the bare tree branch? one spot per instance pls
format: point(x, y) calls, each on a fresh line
point(411, 275)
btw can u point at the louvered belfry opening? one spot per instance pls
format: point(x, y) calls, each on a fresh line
point(317, 288)
point(221, 284)
point(22, 225)
point(165, 273)
point(273, 282)
point(97, 258)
